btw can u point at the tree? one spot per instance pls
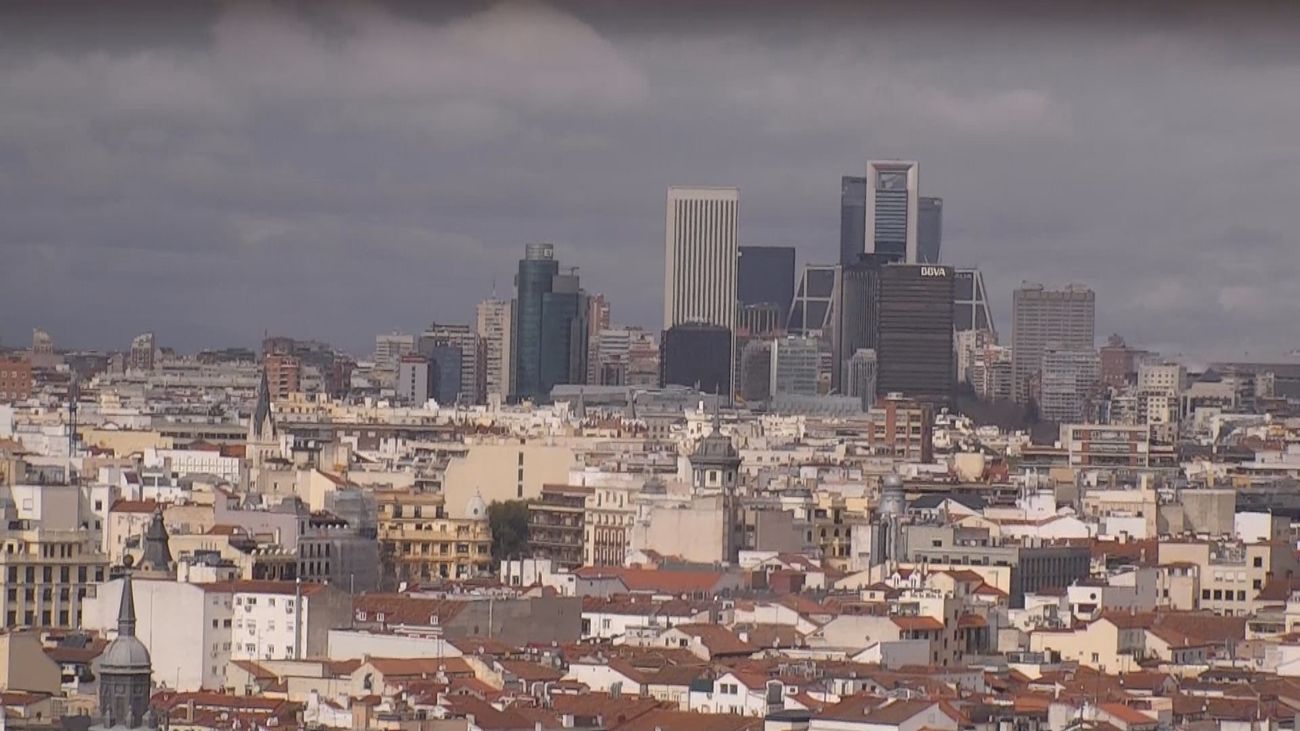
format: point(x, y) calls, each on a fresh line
point(509, 523)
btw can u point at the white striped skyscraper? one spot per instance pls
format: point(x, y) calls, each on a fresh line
point(701, 256)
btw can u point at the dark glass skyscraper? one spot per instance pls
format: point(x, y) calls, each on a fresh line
point(697, 356)
point(549, 309)
point(766, 276)
point(929, 229)
point(853, 218)
point(914, 346)
point(857, 314)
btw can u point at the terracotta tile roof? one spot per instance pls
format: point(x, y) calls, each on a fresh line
point(656, 580)
point(486, 716)
point(719, 640)
point(402, 609)
point(1127, 715)
point(908, 624)
point(256, 671)
point(686, 721)
point(123, 505)
point(419, 667)
point(530, 671)
point(587, 707)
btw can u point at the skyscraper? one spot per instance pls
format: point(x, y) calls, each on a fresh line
point(1060, 318)
point(765, 276)
point(857, 315)
point(915, 332)
point(929, 229)
point(495, 333)
point(815, 297)
point(860, 378)
point(550, 342)
point(1068, 385)
point(142, 353)
point(853, 218)
point(697, 356)
point(597, 320)
point(794, 368)
point(892, 209)
point(971, 309)
point(467, 365)
point(701, 256)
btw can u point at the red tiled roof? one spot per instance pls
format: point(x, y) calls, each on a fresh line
point(134, 506)
point(1129, 716)
point(655, 580)
point(917, 623)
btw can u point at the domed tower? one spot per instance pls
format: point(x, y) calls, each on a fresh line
point(715, 463)
point(892, 500)
point(156, 556)
point(125, 670)
point(887, 533)
point(476, 508)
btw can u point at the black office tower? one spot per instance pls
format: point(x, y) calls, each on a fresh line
point(765, 275)
point(857, 316)
point(914, 345)
point(853, 218)
point(929, 229)
point(697, 356)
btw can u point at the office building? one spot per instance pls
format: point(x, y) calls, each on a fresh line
point(756, 371)
point(550, 343)
point(1059, 318)
point(914, 346)
point(853, 218)
point(143, 351)
point(1069, 385)
point(493, 327)
point(697, 356)
point(700, 263)
point(795, 366)
point(1119, 363)
point(990, 373)
point(597, 320)
point(857, 315)
point(860, 379)
point(929, 229)
point(415, 379)
point(765, 276)
point(815, 299)
point(469, 359)
point(760, 320)
point(892, 209)
point(971, 309)
point(389, 348)
point(970, 344)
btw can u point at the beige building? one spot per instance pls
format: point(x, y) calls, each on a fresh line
point(24, 666)
point(419, 542)
point(1232, 574)
point(607, 533)
point(506, 470)
point(1110, 644)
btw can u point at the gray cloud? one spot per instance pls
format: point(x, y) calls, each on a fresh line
point(336, 170)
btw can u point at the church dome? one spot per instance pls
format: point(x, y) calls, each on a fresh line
point(476, 508)
point(125, 655)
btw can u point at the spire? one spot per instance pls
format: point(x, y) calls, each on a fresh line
point(263, 422)
point(126, 610)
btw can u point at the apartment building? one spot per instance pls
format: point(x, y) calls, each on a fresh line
point(418, 542)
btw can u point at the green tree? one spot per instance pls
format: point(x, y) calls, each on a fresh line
point(509, 523)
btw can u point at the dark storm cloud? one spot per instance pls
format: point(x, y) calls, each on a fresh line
point(333, 171)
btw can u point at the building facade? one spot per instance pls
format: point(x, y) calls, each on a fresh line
point(1060, 318)
point(795, 364)
point(556, 524)
point(915, 345)
point(893, 209)
point(929, 229)
point(697, 356)
point(701, 256)
point(550, 341)
point(765, 276)
point(493, 326)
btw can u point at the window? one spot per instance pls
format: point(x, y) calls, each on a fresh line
point(1218, 594)
point(1241, 595)
point(1096, 657)
point(1205, 594)
point(1259, 562)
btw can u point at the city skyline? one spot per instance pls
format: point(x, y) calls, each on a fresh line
point(180, 181)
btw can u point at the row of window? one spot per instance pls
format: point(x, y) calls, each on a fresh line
point(47, 574)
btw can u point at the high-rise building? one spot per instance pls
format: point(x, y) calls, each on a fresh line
point(815, 297)
point(853, 218)
point(765, 276)
point(760, 320)
point(697, 356)
point(469, 361)
point(701, 257)
point(495, 334)
point(756, 371)
point(415, 379)
point(550, 342)
point(860, 379)
point(970, 346)
point(795, 366)
point(857, 315)
point(914, 346)
point(892, 209)
point(1069, 385)
point(1059, 318)
point(142, 353)
point(597, 320)
point(283, 375)
point(929, 229)
point(390, 347)
point(990, 373)
point(971, 309)
point(643, 360)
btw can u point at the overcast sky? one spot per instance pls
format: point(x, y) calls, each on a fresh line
point(214, 172)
